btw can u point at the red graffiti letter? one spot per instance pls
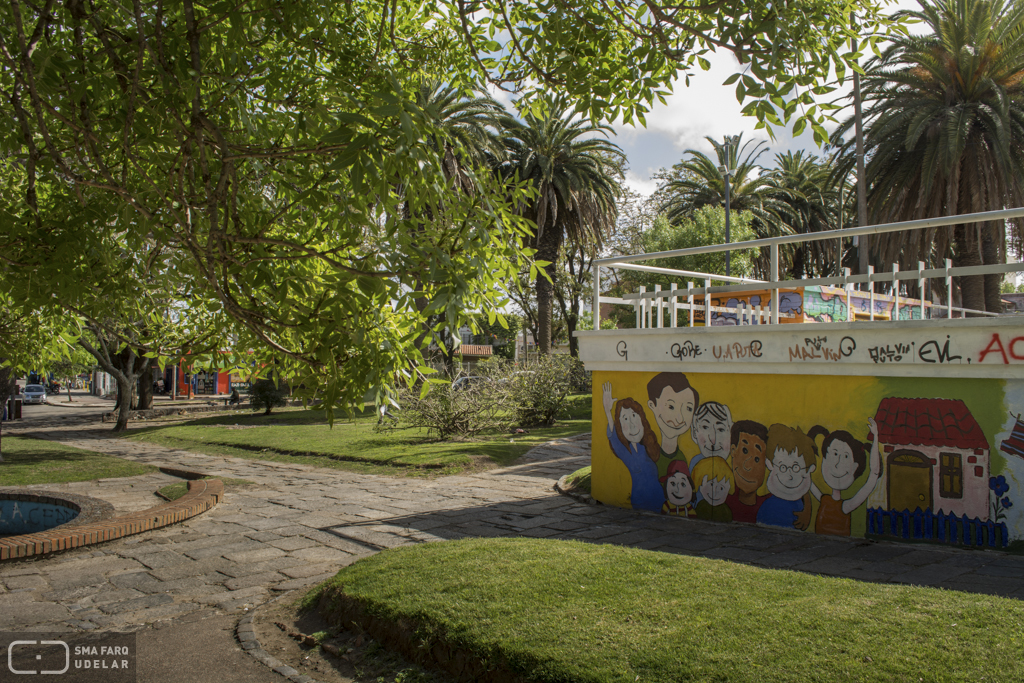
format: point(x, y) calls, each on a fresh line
point(995, 345)
point(1013, 345)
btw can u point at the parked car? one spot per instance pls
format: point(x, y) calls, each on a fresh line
point(467, 382)
point(34, 393)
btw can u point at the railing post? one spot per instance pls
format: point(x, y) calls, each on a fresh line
point(949, 290)
point(597, 296)
point(895, 292)
point(707, 303)
point(689, 300)
point(774, 278)
point(657, 307)
point(640, 308)
point(849, 295)
point(920, 285)
point(673, 315)
point(871, 285)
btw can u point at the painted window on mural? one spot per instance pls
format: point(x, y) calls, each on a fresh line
point(951, 476)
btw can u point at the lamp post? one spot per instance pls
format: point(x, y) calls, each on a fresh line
point(726, 171)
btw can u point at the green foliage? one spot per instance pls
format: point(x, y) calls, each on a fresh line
point(264, 395)
point(541, 388)
point(580, 479)
point(1008, 288)
point(29, 461)
point(477, 405)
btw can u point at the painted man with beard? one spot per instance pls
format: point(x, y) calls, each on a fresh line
point(673, 402)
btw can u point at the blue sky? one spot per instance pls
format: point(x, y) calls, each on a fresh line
point(704, 108)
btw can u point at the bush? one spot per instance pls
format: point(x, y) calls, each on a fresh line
point(484, 405)
point(265, 394)
point(540, 389)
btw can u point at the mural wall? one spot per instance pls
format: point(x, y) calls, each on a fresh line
point(930, 459)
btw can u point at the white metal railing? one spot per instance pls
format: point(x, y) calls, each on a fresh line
point(650, 307)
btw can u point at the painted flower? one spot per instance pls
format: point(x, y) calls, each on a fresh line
point(1006, 503)
point(998, 485)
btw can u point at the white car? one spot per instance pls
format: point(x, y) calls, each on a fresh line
point(34, 393)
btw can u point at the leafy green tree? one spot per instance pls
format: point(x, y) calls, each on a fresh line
point(945, 135)
point(265, 395)
point(573, 172)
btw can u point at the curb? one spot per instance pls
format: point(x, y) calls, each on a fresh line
point(245, 633)
point(586, 498)
point(203, 494)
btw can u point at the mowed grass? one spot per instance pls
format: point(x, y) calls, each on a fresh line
point(35, 461)
point(303, 436)
point(580, 479)
point(571, 611)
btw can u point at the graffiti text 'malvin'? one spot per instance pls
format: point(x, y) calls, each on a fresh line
point(817, 349)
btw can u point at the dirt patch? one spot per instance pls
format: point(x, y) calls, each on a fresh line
point(360, 659)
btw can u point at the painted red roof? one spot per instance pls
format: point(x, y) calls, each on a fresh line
point(928, 422)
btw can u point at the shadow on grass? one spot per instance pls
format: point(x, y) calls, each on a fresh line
point(28, 460)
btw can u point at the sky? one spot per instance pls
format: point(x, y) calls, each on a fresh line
point(705, 108)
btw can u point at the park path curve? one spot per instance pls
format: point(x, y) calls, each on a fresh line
point(300, 524)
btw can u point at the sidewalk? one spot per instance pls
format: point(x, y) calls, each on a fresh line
point(301, 524)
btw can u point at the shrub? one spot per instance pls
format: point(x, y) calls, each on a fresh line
point(540, 390)
point(265, 394)
point(483, 405)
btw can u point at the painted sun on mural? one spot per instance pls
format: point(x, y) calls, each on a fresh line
point(863, 456)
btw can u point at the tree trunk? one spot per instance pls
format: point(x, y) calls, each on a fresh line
point(124, 366)
point(146, 390)
point(547, 250)
point(972, 288)
point(991, 238)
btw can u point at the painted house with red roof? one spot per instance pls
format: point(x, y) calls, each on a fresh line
point(936, 458)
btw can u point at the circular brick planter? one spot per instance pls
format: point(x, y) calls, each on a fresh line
point(101, 525)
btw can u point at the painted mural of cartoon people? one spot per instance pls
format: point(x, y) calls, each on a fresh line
point(712, 425)
point(842, 461)
point(713, 478)
point(678, 490)
point(634, 443)
point(749, 442)
point(791, 458)
point(672, 402)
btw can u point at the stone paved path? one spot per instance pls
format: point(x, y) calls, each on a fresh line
point(301, 524)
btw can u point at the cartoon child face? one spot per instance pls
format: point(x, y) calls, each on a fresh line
point(711, 434)
point(679, 490)
point(790, 479)
point(632, 428)
point(673, 411)
point(838, 466)
point(715, 491)
point(748, 462)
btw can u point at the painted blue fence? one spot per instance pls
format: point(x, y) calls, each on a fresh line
point(926, 525)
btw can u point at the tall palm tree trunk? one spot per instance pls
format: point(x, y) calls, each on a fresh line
point(968, 253)
point(991, 238)
point(547, 250)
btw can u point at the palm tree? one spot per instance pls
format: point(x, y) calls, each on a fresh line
point(810, 200)
point(698, 181)
point(573, 171)
point(468, 140)
point(946, 135)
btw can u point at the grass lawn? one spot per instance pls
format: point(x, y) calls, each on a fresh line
point(303, 436)
point(179, 489)
point(572, 611)
point(35, 461)
point(580, 479)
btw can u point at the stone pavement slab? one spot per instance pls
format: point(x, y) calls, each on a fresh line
point(301, 524)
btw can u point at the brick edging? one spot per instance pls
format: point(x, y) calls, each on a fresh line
point(202, 495)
